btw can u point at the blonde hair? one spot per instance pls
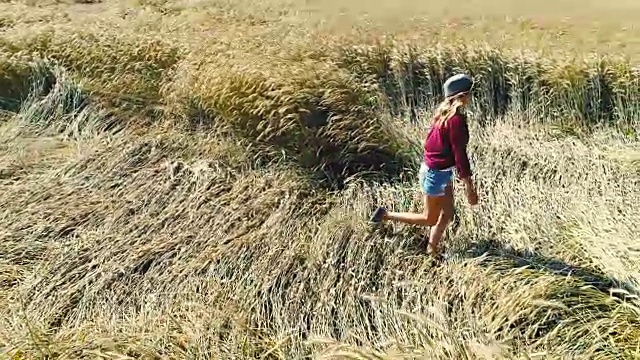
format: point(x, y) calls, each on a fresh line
point(448, 108)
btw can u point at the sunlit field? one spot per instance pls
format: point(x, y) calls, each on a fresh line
point(192, 180)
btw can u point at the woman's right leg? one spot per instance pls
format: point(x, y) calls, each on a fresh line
point(428, 217)
point(434, 188)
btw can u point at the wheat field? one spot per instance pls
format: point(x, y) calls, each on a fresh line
point(192, 180)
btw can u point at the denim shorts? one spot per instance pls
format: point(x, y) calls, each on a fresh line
point(432, 181)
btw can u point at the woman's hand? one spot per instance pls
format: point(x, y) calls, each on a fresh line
point(472, 195)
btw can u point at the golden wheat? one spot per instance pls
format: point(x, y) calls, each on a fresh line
point(190, 180)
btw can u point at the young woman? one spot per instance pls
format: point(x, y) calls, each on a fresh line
point(445, 149)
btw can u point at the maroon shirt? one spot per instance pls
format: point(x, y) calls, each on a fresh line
point(446, 146)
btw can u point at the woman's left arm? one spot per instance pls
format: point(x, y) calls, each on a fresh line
point(459, 138)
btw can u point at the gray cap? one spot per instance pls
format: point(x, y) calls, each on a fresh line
point(457, 84)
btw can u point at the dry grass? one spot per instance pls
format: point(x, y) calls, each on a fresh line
point(190, 180)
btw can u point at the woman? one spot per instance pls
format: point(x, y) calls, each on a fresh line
point(445, 148)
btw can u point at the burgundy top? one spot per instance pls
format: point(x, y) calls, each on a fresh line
point(446, 146)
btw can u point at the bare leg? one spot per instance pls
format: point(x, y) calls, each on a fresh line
point(428, 217)
point(446, 215)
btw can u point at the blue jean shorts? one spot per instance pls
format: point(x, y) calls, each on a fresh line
point(432, 181)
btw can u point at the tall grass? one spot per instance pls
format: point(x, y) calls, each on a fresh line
point(589, 92)
point(326, 111)
point(583, 92)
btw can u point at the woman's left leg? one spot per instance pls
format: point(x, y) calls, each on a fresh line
point(446, 215)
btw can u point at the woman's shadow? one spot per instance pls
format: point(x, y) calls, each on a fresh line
point(491, 249)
